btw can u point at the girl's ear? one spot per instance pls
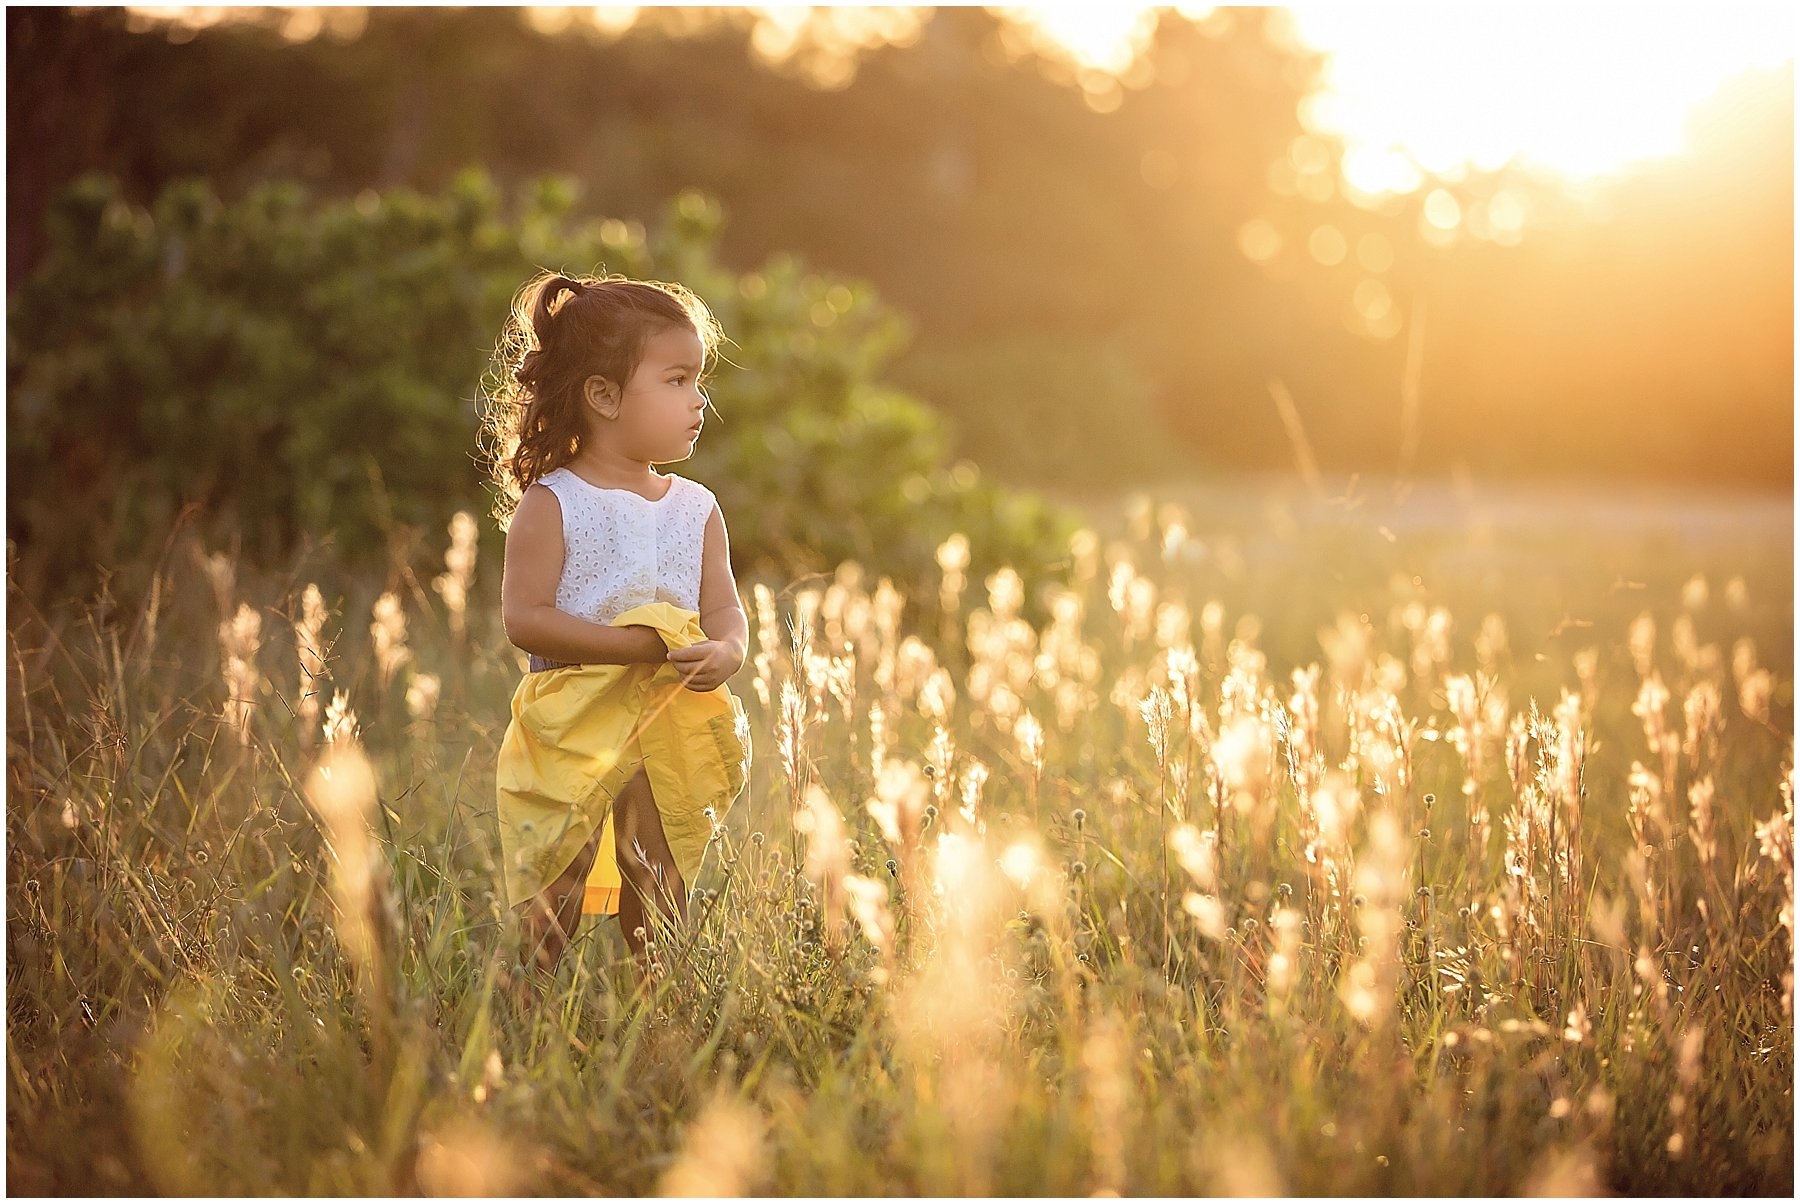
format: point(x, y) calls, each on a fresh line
point(601, 394)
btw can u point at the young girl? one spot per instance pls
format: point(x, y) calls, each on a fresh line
point(624, 747)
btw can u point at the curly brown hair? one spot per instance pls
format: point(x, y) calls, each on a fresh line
point(562, 330)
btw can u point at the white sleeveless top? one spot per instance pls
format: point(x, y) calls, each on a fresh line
point(620, 549)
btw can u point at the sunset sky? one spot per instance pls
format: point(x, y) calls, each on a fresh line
point(1577, 89)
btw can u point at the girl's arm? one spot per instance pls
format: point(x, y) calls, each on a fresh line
point(721, 611)
point(534, 559)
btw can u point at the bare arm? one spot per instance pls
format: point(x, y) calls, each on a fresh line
point(534, 560)
point(721, 610)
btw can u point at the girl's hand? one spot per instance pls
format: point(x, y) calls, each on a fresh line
point(706, 665)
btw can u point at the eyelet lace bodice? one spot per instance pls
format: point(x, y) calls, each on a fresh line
point(621, 549)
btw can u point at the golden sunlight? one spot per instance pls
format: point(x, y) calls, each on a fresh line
point(1433, 89)
point(1101, 37)
point(1578, 90)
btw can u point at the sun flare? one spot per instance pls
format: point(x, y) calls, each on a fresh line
point(1579, 90)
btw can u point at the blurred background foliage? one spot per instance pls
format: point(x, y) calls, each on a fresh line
point(991, 201)
point(287, 368)
point(1092, 280)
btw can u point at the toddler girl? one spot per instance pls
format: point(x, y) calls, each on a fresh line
point(624, 746)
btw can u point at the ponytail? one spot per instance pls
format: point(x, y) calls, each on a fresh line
point(544, 306)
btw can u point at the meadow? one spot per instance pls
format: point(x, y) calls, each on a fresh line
point(1261, 851)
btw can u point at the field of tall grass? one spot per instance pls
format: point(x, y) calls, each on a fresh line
point(1282, 859)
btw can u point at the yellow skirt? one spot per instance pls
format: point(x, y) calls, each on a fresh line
point(579, 732)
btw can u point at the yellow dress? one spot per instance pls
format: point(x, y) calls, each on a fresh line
point(577, 735)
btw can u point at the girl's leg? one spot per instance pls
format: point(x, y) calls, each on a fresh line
point(645, 864)
point(548, 921)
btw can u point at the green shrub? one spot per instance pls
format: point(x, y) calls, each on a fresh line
point(290, 370)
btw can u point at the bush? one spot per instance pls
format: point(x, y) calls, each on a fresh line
point(278, 370)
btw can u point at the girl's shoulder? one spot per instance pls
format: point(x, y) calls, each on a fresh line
point(551, 480)
point(694, 489)
point(684, 493)
point(573, 490)
point(554, 478)
point(700, 503)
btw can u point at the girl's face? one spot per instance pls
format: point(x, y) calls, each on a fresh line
point(658, 418)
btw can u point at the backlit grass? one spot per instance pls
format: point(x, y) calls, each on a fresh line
point(1322, 860)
